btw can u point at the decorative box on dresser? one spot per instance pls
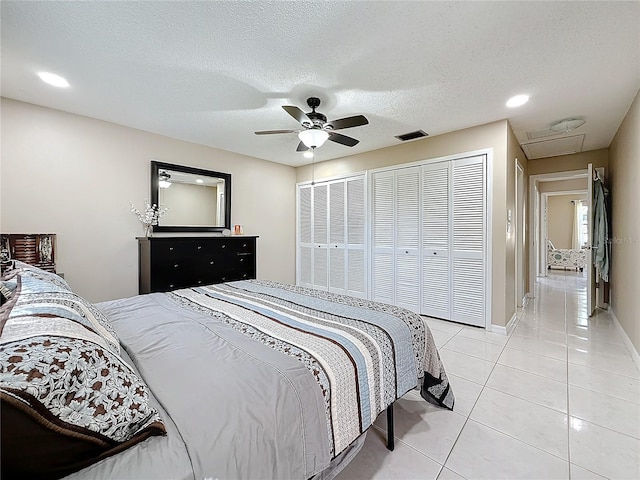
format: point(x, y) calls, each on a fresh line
point(168, 263)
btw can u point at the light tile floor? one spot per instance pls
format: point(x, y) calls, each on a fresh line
point(558, 398)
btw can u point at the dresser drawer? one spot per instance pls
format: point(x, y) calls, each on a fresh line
point(179, 249)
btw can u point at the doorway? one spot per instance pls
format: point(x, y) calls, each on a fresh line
point(520, 237)
point(542, 188)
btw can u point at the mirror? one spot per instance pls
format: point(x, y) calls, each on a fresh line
point(197, 200)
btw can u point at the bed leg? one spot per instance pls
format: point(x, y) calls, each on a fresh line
point(390, 439)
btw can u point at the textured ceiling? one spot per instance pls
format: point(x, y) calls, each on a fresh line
point(215, 72)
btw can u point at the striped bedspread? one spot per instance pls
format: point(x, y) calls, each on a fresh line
point(364, 355)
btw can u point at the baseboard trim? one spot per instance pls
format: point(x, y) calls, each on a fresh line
point(625, 338)
point(505, 330)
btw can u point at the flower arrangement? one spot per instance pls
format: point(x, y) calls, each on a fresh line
point(149, 217)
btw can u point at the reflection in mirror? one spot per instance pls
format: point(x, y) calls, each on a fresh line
point(197, 200)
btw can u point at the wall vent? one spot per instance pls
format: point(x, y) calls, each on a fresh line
point(411, 135)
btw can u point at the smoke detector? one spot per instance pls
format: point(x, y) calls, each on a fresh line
point(567, 125)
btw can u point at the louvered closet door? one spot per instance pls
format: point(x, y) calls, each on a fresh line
point(320, 236)
point(305, 239)
point(436, 288)
point(468, 241)
point(383, 221)
point(356, 273)
point(407, 244)
point(337, 250)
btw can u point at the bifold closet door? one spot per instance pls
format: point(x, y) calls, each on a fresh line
point(436, 278)
point(331, 246)
point(356, 217)
point(468, 241)
point(320, 236)
point(383, 233)
point(407, 274)
point(396, 238)
point(337, 250)
point(305, 237)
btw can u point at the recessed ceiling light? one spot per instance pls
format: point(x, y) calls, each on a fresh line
point(199, 180)
point(517, 101)
point(308, 154)
point(53, 79)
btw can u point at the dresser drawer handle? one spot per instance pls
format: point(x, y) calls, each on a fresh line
point(199, 282)
point(199, 247)
point(224, 246)
point(244, 244)
point(244, 275)
point(171, 285)
point(242, 259)
point(170, 249)
point(211, 262)
point(176, 265)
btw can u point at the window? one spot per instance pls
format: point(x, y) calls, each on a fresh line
point(584, 225)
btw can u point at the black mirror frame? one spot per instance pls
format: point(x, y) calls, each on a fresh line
point(156, 166)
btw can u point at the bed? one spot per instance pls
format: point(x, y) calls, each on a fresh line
point(565, 257)
point(249, 379)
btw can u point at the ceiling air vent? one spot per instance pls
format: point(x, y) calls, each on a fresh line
point(411, 135)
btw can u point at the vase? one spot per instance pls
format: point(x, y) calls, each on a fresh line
point(148, 230)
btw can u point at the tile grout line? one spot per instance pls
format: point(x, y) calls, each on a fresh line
point(566, 331)
point(468, 417)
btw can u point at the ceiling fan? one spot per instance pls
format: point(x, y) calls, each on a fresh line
point(316, 128)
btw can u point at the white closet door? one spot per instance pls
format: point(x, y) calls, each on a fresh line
point(331, 240)
point(337, 251)
point(320, 236)
point(468, 241)
point(383, 222)
point(436, 286)
point(407, 243)
point(356, 273)
point(305, 239)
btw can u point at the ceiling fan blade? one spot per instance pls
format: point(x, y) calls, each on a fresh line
point(271, 132)
point(302, 147)
point(343, 139)
point(298, 114)
point(348, 122)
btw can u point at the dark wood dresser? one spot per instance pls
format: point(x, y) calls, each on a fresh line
point(168, 263)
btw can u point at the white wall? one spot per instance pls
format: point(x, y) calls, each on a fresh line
point(75, 176)
point(560, 218)
point(624, 158)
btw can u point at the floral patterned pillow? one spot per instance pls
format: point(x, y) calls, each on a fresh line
point(67, 397)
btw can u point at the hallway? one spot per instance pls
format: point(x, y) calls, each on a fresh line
point(558, 398)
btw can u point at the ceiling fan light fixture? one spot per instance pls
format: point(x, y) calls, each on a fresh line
point(567, 125)
point(313, 138)
point(308, 154)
